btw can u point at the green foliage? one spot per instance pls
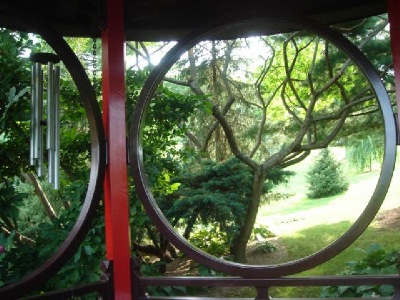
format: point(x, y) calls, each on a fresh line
point(152, 269)
point(10, 201)
point(325, 178)
point(362, 152)
point(377, 261)
point(84, 267)
point(211, 194)
point(162, 134)
point(265, 247)
point(23, 258)
point(14, 103)
point(214, 197)
point(261, 233)
point(211, 240)
point(6, 242)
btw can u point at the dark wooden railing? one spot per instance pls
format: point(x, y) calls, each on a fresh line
point(103, 288)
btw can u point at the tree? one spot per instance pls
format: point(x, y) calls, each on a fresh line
point(325, 177)
point(363, 151)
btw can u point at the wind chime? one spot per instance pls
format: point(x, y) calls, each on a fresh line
point(41, 61)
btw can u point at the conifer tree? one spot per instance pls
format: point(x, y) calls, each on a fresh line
point(325, 178)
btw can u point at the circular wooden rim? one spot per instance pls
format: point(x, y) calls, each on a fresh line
point(98, 162)
point(208, 32)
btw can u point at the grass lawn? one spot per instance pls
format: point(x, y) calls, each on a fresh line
point(305, 226)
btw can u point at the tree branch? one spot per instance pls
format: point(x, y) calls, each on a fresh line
point(294, 158)
point(31, 178)
point(231, 139)
point(21, 238)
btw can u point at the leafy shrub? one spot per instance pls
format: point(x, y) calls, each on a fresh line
point(377, 261)
point(211, 240)
point(265, 247)
point(260, 233)
point(325, 178)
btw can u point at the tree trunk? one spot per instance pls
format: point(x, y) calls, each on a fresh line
point(239, 250)
point(30, 177)
point(189, 227)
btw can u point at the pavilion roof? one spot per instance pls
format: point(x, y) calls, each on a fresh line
point(151, 20)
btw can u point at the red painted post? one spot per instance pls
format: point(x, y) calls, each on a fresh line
point(116, 181)
point(107, 204)
point(394, 20)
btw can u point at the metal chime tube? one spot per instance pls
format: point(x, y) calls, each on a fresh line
point(33, 114)
point(52, 112)
point(38, 119)
point(57, 127)
point(50, 121)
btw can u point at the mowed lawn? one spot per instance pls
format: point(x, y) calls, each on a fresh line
point(304, 226)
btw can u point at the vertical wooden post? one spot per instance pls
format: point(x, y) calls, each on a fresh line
point(394, 20)
point(116, 181)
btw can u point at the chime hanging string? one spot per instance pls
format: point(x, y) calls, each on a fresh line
point(94, 57)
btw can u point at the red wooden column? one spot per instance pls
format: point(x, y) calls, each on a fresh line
point(394, 20)
point(116, 182)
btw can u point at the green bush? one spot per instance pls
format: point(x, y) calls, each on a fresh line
point(325, 178)
point(265, 247)
point(377, 261)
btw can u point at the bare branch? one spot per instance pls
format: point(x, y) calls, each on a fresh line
point(146, 52)
point(31, 178)
point(259, 133)
point(192, 66)
point(329, 138)
point(336, 115)
point(290, 66)
point(231, 139)
point(178, 82)
point(216, 124)
point(294, 158)
point(194, 140)
point(20, 237)
point(346, 64)
point(138, 53)
point(286, 105)
point(312, 66)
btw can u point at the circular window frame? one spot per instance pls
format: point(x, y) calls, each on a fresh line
point(231, 24)
point(97, 167)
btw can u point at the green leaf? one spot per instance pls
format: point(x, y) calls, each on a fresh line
point(181, 289)
point(88, 250)
point(364, 288)
point(386, 290)
point(208, 107)
point(344, 289)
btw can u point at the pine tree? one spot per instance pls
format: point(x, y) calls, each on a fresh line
point(325, 178)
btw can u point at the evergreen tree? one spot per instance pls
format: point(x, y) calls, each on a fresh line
point(325, 178)
point(215, 194)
